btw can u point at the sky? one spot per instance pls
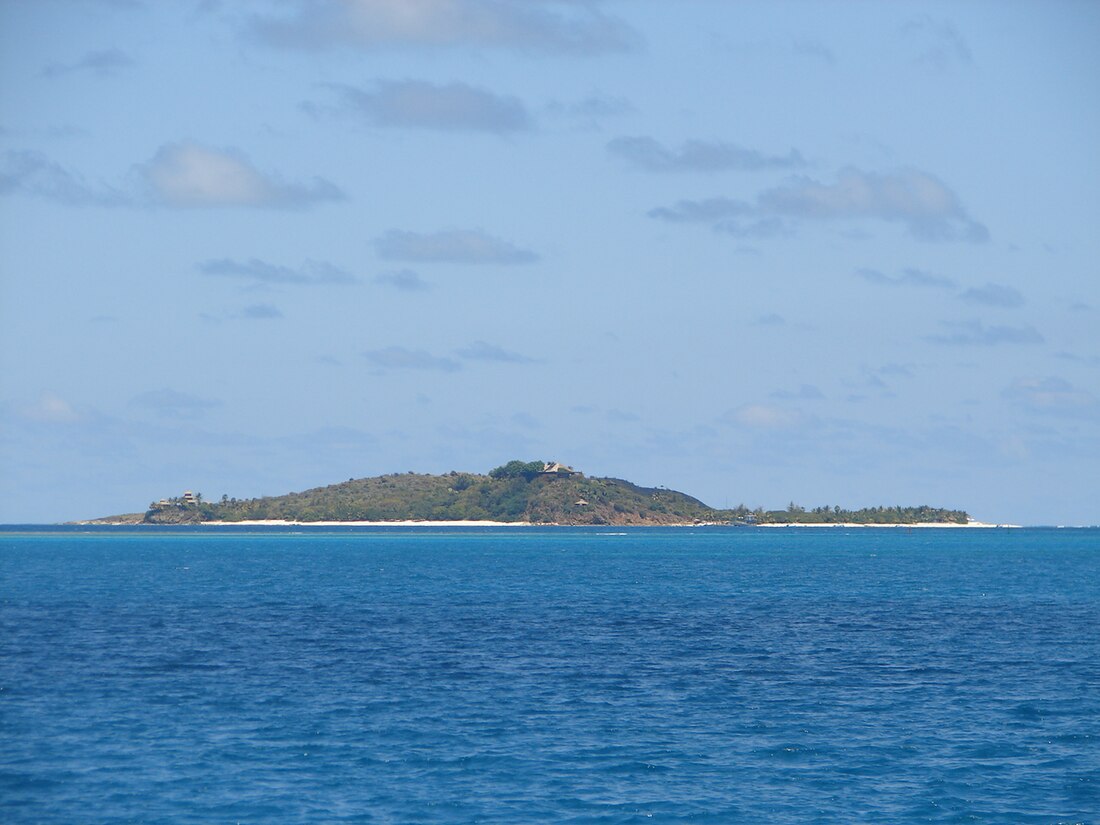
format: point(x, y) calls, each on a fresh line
point(760, 252)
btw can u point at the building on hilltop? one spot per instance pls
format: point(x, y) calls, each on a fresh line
point(553, 468)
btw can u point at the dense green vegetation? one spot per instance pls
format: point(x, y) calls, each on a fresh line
point(518, 469)
point(518, 491)
point(868, 515)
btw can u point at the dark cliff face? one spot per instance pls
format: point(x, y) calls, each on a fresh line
point(175, 515)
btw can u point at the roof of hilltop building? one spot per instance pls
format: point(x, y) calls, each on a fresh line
point(554, 468)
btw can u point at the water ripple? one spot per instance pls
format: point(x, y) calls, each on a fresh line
point(558, 676)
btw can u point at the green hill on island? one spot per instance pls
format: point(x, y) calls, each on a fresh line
point(537, 492)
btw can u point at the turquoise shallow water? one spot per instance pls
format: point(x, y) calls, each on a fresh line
point(550, 675)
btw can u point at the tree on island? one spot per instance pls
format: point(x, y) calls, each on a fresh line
point(518, 469)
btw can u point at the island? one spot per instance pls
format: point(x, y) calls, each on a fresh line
point(519, 492)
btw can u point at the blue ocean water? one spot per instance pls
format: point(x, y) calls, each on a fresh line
point(549, 675)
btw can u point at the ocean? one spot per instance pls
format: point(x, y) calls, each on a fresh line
point(557, 675)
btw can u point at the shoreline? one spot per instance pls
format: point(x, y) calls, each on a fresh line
point(951, 525)
point(425, 523)
point(403, 523)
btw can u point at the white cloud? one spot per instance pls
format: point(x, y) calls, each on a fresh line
point(30, 173)
point(994, 295)
point(190, 175)
point(815, 49)
point(260, 312)
point(920, 201)
point(771, 319)
point(706, 210)
point(453, 107)
point(461, 246)
point(917, 200)
point(481, 351)
point(403, 279)
point(699, 156)
point(765, 417)
point(401, 358)
point(805, 392)
point(938, 42)
point(975, 333)
point(908, 277)
point(545, 26)
point(1077, 358)
point(178, 175)
point(50, 408)
point(1051, 394)
point(593, 108)
point(168, 403)
point(755, 229)
point(104, 62)
point(310, 273)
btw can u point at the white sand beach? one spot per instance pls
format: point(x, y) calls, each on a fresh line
point(411, 523)
point(936, 524)
point(284, 523)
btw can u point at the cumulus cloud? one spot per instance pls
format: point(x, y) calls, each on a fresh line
point(178, 175)
point(994, 295)
point(1077, 358)
point(707, 210)
point(168, 403)
point(459, 246)
point(771, 319)
point(893, 368)
point(593, 107)
point(907, 277)
point(815, 49)
point(399, 358)
point(617, 416)
point(403, 279)
point(917, 200)
point(576, 27)
point(50, 409)
point(974, 333)
point(736, 218)
point(452, 107)
point(806, 392)
point(260, 312)
point(938, 42)
point(481, 351)
point(764, 417)
point(104, 62)
point(254, 269)
point(190, 175)
point(30, 173)
point(1051, 394)
point(921, 202)
point(757, 230)
point(698, 156)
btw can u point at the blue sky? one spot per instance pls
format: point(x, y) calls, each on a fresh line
point(834, 253)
